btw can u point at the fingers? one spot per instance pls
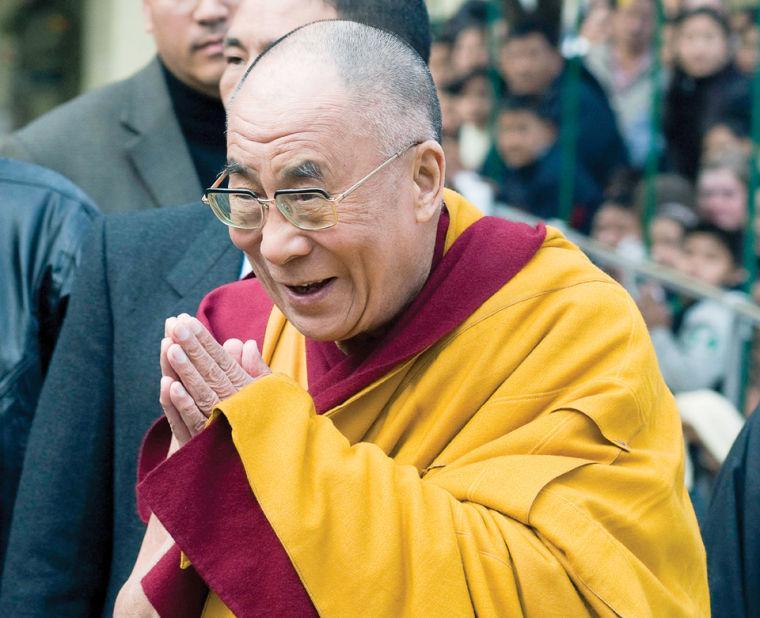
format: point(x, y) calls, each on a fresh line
point(252, 362)
point(220, 356)
point(247, 356)
point(193, 418)
point(210, 370)
point(195, 384)
point(234, 347)
point(177, 424)
point(198, 373)
point(166, 367)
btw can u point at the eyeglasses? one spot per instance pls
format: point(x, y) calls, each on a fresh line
point(307, 209)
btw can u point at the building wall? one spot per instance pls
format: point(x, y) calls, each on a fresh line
point(115, 42)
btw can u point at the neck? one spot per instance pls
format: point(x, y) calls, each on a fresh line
point(361, 345)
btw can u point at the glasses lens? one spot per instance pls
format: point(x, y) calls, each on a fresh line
point(306, 210)
point(238, 209)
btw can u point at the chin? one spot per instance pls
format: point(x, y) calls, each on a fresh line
point(317, 330)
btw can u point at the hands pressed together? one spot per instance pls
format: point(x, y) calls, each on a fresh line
point(197, 373)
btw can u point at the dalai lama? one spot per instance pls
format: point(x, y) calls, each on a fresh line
point(416, 410)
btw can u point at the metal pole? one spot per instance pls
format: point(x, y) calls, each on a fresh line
point(750, 258)
point(655, 125)
point(570, 110)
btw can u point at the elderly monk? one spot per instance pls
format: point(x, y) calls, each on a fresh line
point(445, 414)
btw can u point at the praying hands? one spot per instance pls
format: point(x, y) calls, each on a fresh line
point(197, 373)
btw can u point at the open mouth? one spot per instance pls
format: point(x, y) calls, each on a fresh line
point(310, 288)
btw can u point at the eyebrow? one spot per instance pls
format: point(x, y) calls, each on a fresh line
point(232, 41)
point(234, 167)
point(305, 170)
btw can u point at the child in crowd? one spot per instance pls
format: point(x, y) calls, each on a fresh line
point(468, 32)
point(727, 137)
point(470, 184)
point(440, 61)
point(473, 96)
point(706, 85)
point(747, 49)
point(470, 50)
point(693, 348)
point(722, 192)
point(616, 225)
point(527, 165)
point(667, 232)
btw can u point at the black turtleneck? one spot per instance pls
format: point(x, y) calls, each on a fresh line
point(202, 121)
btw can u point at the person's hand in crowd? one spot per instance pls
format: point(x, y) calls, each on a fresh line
point(654, 311)
point(197, 373)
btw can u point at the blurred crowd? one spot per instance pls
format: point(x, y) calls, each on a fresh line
point(634, 128)
point(626, 123)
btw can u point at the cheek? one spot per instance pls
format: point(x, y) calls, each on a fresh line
point(247, 241)
point(735, 208)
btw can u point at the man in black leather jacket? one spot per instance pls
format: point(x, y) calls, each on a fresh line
point(43, 219)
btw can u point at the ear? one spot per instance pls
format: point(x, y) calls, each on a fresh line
point(147, 16)
point(429, 176)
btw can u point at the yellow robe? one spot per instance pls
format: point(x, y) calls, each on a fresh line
point(530, 463)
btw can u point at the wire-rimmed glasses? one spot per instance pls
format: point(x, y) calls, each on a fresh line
point(307, 209)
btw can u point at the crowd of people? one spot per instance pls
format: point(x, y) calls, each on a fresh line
point(386, 403)
point(511, 139)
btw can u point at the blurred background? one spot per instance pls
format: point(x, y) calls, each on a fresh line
point(52, 50)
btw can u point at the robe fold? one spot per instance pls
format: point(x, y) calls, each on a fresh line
point(508, 448)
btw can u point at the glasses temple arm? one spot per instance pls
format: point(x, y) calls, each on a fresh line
point(382, 166)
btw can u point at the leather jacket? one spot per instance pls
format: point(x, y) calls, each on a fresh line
point(43, 220)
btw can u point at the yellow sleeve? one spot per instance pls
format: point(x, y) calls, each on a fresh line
point(570, 525)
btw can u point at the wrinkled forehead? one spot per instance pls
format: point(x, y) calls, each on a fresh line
point(290, 70)
point(281, 93)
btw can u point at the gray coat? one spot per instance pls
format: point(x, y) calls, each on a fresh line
point(75, 532)
point(121, 144)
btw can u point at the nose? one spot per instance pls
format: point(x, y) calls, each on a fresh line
point(281, 241)
point(214, 11)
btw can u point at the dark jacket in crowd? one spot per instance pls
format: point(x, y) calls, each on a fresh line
point(692, 105)
point(536, 187)
point(732, 530)
point(75, 532)
point(43, 220)
point(600, 147)
point(599, 144)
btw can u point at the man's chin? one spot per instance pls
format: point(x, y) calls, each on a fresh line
point(316, 329)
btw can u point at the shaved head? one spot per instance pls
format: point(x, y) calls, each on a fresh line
point(383, 79)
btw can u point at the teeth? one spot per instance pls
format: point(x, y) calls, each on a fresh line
point(307, 287)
